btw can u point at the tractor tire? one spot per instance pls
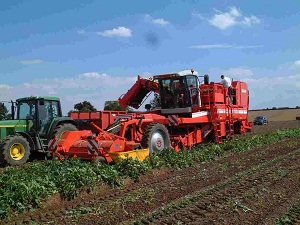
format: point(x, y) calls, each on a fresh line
point(14, 151)
point(156, 137)
point(60, 129)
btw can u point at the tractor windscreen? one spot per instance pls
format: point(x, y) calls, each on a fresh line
point(27, 110)
point(46, 113)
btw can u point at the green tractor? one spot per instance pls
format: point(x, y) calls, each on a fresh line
point(37, 121)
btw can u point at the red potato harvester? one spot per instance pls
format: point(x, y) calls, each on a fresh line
point(191, 112)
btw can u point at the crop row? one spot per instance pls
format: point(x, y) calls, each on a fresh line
point(25, 188)
point(237, 179)
point(292, 216)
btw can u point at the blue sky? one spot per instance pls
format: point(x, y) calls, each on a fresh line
point(94, 50)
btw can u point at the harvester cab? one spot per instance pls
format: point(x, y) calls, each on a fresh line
point(179, 92)
point(37, 121)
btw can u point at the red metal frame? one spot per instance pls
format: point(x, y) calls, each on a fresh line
point(135, 96)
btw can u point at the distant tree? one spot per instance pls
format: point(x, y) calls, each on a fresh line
point(3, 112)
point(84, 106)
point(114, 105)
point(69, 113)
point(274, 108)
point(8, 116)
point(155, 102)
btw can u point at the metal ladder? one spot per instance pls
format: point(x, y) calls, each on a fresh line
point(216, 123)
point(230, 122)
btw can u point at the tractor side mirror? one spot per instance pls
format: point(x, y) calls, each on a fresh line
point(42, 101)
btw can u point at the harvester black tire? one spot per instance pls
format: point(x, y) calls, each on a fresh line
point(98, 161)
point(14, 151)
point(60, 129)
point(156, 137)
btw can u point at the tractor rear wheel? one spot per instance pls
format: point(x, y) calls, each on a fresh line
point(14, 151)
point(156, 137)
point(61, 129)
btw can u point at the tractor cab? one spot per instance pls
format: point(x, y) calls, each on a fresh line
point(179, 92)
point(39, 112)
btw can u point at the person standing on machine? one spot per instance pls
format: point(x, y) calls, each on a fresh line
point(226, 81)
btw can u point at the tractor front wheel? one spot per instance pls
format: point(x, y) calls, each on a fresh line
point(156, 137)
point(14, 151)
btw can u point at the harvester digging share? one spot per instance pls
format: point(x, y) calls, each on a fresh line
point(192, 112)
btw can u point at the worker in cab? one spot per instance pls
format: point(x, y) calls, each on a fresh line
point(193, 93)
point(226, 81)
point(168, 97)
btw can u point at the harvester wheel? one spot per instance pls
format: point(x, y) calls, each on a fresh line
point(156, 137)
point(60, 129)
point(14, 151)
point(98, 161)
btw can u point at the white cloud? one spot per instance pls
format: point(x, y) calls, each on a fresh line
point(91, 86)
point(5, 92)
point(116, 32)
point(29, 62)
point(212, 46)
point(297, 63)
point(5, 86)
point(93, 75)
point(238, 72)
point(235, 12)
point(279, 91)
point(249, 21)
point(159, 21)
point(234, 16)
point(198, 15)
point(81, 31)
point(293, 65)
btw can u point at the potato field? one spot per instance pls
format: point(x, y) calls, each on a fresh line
point(252, 179)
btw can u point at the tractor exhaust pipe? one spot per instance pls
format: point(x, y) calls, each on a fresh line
point(12, 110)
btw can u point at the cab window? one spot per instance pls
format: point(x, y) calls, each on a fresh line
point(27, 110)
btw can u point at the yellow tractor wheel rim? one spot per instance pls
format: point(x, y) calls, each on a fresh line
point(17, 151)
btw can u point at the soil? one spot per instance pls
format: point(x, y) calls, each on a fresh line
point(275, 114)
point(253, 187)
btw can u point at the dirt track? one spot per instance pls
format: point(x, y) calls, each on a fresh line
point(253, 187)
